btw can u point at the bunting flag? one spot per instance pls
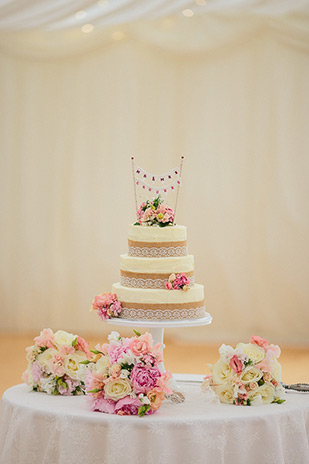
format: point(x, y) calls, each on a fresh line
point(158, 189)
point(157, 183)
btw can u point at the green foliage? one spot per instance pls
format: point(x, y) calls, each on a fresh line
point(137, 333)
point(278, 401)
point(95, 390)
point(127, 366)
point(143, 409)
point(96, 352)
point(84, 362)
point(74, 342)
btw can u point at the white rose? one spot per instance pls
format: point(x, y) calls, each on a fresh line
point(250, 374)
point(117, 389)
point(266, 391)
point(45, 358)
point(225, 393)
point(255, 398)
point(226, 352)
point(254, 352)
point(72, 366)
point(63, 338)
point(102, 365)
point(221, 372)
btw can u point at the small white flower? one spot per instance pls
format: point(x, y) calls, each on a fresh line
point(124, 374)
point(114, 337)
point(128, 358)
point(48, 384)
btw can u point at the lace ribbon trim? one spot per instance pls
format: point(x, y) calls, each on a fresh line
point(161, 314)
point(146, 283)
point(162, 252)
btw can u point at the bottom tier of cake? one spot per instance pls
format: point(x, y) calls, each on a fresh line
point(161, 304)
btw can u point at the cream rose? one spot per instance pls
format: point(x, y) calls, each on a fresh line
point(102, 365)
point(221, 372)
point(255, 398)
point(63, 338)
point(250, 374)
point(225, 393)
point(266, 391)
point(276, 372)
point(254, 352)
point(117, 389)
point(45, 358)
point(72, 366)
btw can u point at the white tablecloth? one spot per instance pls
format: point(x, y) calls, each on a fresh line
point(40, 429)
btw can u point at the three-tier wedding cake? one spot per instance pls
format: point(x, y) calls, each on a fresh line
point(156, 257)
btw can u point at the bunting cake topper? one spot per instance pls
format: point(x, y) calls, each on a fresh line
point(157, 183)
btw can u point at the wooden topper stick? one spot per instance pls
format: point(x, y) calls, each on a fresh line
point(178, 186)
point(134, 182)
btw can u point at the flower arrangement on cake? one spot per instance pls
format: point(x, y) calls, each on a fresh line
point(107, 305)
point(124, 377)
point(178, 282)
point(54, 363)
point(249, 374)
point(154, 213)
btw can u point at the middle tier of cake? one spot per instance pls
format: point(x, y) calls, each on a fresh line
point(153, 272)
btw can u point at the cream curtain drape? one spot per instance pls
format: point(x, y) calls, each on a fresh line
point(230, 93)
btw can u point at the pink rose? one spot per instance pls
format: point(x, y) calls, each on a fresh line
point(144, 378)
point(141, 345)
point(168, 285)
point(46, 338)
point(82, 345)
point(256, 340)
point(236, 364)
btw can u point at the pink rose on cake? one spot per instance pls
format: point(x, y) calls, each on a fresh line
point(178, 282)
point(107, 305)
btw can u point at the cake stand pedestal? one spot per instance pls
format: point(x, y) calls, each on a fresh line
point(157, 331)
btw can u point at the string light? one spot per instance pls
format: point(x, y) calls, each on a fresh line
point(188, 13)
point(87, 28)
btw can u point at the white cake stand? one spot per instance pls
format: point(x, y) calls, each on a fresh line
point(157, 332)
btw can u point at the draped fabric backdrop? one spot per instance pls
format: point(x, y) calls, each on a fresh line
point(226, 88)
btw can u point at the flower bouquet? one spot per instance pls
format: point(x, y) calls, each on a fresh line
point(154, 213)
point(54, 363)
point(249, 374)
point(124, 378)
point(107, 305)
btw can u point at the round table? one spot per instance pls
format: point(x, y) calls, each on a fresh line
point(43, 429)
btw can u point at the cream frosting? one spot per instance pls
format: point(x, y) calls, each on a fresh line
point(157, 265)
point(158, 296)
point(157, 234)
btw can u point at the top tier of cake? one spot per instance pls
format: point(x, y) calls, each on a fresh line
point(157, 242)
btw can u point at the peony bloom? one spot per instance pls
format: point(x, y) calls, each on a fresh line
point(144, 379)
